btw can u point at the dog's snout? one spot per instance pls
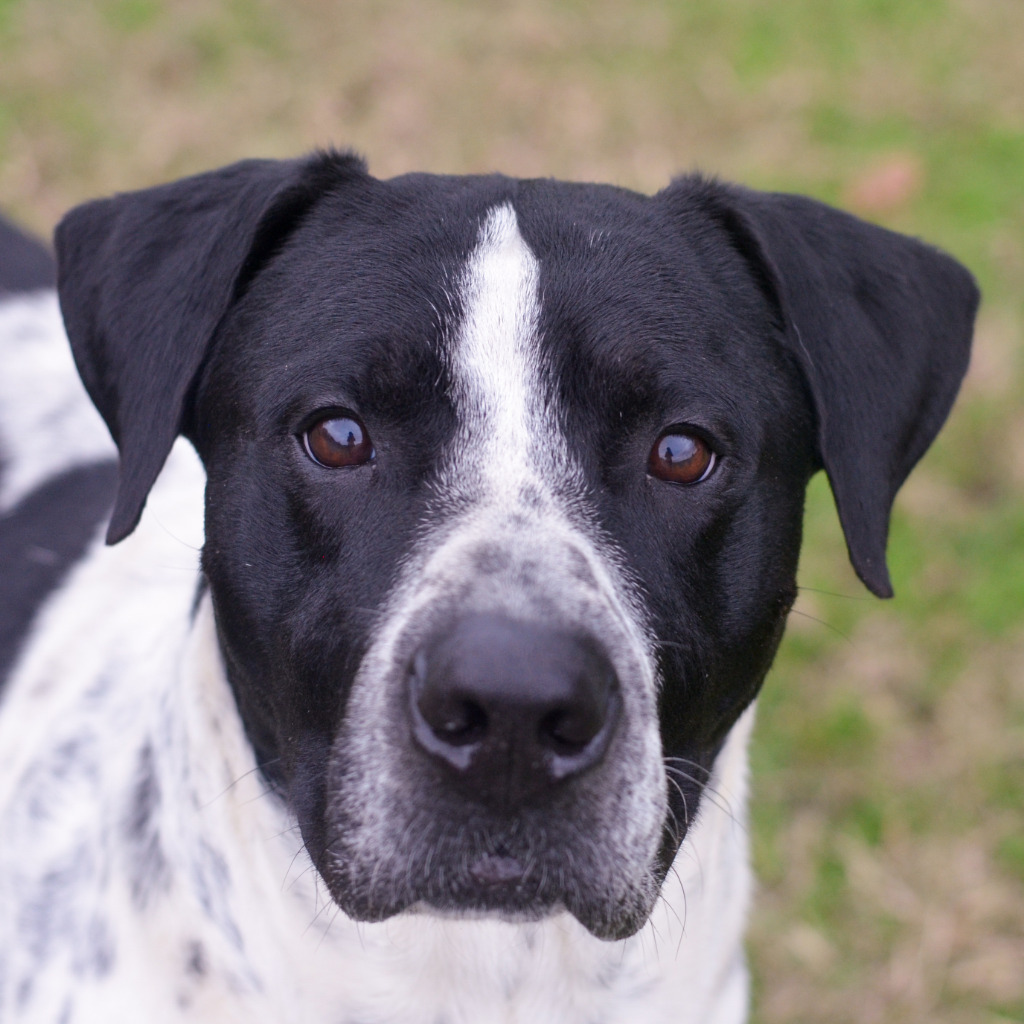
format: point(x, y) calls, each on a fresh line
point(513, 707)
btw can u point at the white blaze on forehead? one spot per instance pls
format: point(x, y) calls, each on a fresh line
point(512, 461)
point(499, 389)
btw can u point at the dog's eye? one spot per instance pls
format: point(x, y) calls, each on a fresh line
point(338, 442)
point(681, 458)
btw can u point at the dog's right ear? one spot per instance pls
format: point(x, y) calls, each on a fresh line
point(144, 280)
point(878, 323)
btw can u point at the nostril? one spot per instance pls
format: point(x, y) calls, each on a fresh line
point(568, 731)
point(445, 722)
point(453, 720)
point(577, 723)
point(576, 736)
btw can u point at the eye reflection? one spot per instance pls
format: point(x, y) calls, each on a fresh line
point(339, 442)
point(681, 458)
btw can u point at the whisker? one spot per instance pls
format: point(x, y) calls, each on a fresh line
point(655, 935)
point(686, 909)
point(832, 593)
point(688, 763)
point(328, 926)
point(173, 534)
point(821, 622)
point(681, 921)
point(678, 831)
point(682, 795)
point(316, 916)
point(720, 801)
point(287, 886)
point(235, 782)
point(283, 832)
point(694, 854)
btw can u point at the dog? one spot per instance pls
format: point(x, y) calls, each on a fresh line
point(422, 691)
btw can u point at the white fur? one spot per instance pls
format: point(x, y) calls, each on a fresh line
point(45, 427)
point(117, 663)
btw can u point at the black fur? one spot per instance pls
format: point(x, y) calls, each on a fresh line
point(25, 264)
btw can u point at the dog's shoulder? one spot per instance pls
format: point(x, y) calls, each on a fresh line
point(57, 470)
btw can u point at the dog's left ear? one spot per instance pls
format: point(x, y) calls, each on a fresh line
point(144, 280)
point(880, 325)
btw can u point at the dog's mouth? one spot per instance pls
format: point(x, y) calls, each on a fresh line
point(537, 866)
point(497, 883)
point(504, 888)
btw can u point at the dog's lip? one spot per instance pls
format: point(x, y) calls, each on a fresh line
point(497, 884)
point(494, 870)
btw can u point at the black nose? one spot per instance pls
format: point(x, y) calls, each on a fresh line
point(513, 707)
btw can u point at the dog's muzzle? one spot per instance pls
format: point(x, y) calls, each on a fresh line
point(500, 752)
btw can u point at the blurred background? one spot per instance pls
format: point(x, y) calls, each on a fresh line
point(888, 817)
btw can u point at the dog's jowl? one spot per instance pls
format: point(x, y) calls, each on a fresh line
point(435, 707)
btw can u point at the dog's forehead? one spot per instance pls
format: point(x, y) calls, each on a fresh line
point(374, 294)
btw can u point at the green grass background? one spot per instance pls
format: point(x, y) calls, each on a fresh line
point(888, 820)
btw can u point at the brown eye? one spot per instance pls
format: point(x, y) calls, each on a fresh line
point(339, 442)
point(681, 458)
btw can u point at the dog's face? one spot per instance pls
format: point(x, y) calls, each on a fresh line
point(505, 483)
point(456, 630)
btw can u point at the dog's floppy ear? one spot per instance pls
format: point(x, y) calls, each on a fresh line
point(146, 277)
point(881, 326)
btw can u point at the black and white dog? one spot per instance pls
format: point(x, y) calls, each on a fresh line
point(442, 714)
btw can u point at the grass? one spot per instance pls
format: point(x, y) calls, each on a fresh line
point(889, 760)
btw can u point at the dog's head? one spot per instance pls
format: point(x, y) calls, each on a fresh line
point(505, 484)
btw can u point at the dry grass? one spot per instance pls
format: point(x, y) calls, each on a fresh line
point(889, 829)
point(884, 894)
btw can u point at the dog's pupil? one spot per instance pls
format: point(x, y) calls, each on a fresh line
point(338, 442)
point(680, 458)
